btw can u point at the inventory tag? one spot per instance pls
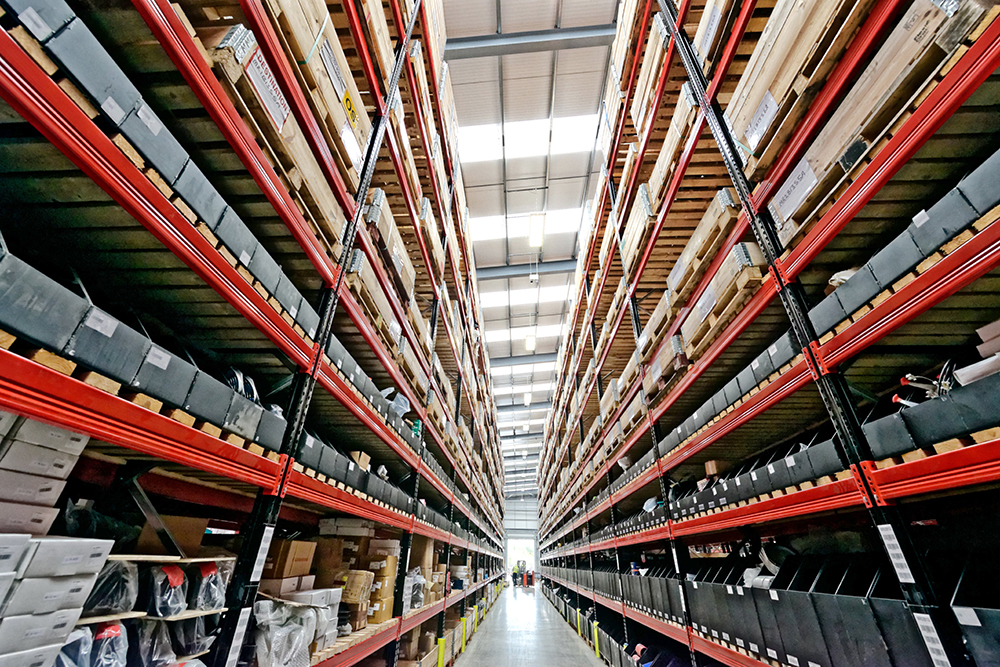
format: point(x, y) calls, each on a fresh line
point(795, 190)
point(714, 19)
point(266, 86)
point(265, 545)
point(101, 322)
point(967, 616)
point(896, 554)
point(114, 111)
point(149, 119)
point(33, 22)
point(793, 661)
point(761, 119)
point(241, 627)
point(931, 639)
point(159, 358)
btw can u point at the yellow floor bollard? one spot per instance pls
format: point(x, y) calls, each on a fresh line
point(475, 619)
point(441, 652)
point(597, 644)
point(579, 632)
point(463, 634)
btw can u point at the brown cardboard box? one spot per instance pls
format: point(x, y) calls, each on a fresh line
point(329, 558)
point(382, 588)
point(362, 459)
point(278, 587)
point(382, 566)
point(359, 587)
point(288, 558)
point(421, 553)
point(187, 531)
point(428, 642)
point(358, 615)
point(380, 612)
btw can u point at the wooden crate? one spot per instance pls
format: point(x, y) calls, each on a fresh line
point(397, 117)
point(631, 162)
point(432, 236)
point(610, 399)
point(315, 54)
point(649, 75)
point(713, 30)
point(705, 242)
point(656, 326)
point(238, 62)
point(423, 92)
point(420, 327)
point(409, 363)
point(434, 32)
point(617, 301)
point(390, 244)
point(441, 175)
point(364, 284)
point(631, 371)
point(638, 230)
point(380, 42)
point(623, 47)
point(731, 287)
point(634, 414)
point(666, 162)
point(917, 48)
point(603, 255)
point(665, 363)
point(798, 48)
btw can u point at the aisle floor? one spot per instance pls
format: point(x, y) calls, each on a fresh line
point(525, 629)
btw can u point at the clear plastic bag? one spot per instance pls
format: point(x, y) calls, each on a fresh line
point(164, 590)
point(76, 651)
point(110, 647)
point(149, 644)
point(306, 617)
point(281, 639)
point(189, 663)
point(416, 593)
point(206, 586)
point(115, 591)
point(191, 635)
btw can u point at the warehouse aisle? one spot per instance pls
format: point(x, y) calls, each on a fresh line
point(524, 629)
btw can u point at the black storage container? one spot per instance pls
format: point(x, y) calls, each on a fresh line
point(271, 430)
point(200, 195)
point(43, 18)
point(976, 605)
point(899, 630)
point(108, 346)
point(243, 417)
point(35, 307)
point(801, 634)
point(209, 399)
point(144, 130)
point(164, 376)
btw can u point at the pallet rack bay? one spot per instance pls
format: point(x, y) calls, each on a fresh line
point(717, 226)
point(222, 201)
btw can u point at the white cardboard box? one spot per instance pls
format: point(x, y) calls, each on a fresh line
point(52, 437)
point(317, 598)
point(35, 630)
point(12, 547)
point(306, 582)
point(20, 487)
point(17, 518)
point(64, 556)
point(36, 460)
point(46, 594)
point(44, 656)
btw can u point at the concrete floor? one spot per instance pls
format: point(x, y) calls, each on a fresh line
point(523, 628)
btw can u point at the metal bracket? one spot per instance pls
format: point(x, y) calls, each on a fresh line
point(867, 469)
point(130, 478)
point(817, 364)
point(856, 475)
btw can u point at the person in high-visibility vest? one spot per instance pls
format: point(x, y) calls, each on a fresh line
point(514, 574)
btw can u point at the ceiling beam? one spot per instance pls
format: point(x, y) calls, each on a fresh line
point(518, 270)
point(501, 44)
point(518, 407)
point(503, 362)
point(521, 437)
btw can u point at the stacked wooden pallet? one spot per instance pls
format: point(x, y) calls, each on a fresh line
point(434, 32)
point(364, 283)
point(251, 86)
point(378, 36)
point(901, 72)
point(656, 326)
point(798, 48)
point(610, 399)
point(631, 372)
point(409, 363)
point(730, 288)
point(643, 105)
point(666, 162)
point(432, 237)
point(314, 49)
point(638, 231)
point(420, 326)
point(662, 369)
point(710, 37)
point(634, 414)
point(706, 240)
point(397, 118)
point(628, 25)
point(390, 244)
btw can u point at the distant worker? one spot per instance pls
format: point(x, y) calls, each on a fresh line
point(514, 574)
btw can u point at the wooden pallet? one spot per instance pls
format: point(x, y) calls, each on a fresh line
point(364, 284)
point(656, 327)
point(728, 307)
point(705, 242)
point(649, 75)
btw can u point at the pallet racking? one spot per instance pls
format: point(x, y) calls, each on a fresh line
point(142, 245)
point(807, 384)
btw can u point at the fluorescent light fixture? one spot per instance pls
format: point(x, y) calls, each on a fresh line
point(536, 230)
point(529, 343)
point(527, 138)
point(493, 227)
point(527, 398)
point(527, 425)
point(522, 333)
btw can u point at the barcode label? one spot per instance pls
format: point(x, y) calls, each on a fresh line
point(266, 87)
point(101, 322)
point(931, 639)
point(159, 358)
point(761, 119)
point(265, 545)
point(896, 555)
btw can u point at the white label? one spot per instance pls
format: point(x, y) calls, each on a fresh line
point(810, 663)
point(931, 639)
point(761, 119)
point(715, 634)
point(33, 22)
point(754, 648)
point(920, 218)
point(706, 303)
point(159, 358)
point(967, 616)
point(350, 465)
point(739, 590)
point(753, 475)
point(739, 482)
point(739, 642)
point(774, 595)
point(53, 595)
point(772, 654)
point(245, 258)
point(770, 468)
point(793, 661)
point(265, 545)
point(352, 146)
point(266, 87)
point(34, 633)
point(149, 119)
point(333, 68)
point(773, 350)
point(72, 559)
point(729, 590)
point(241, 629)
point(714, 19)
point(896, 554)
point(790, 461)
point(754, 365)
point(115, 113)
point(101, 322)
point(795, 189)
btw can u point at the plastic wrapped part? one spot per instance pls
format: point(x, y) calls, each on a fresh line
point(76, 650)
point(192, 635)
point(416, 581)
point(281, 641)
point(206, 587)
point(116, 589)
point(163, 591)
point(110, 646)
point(149, 644)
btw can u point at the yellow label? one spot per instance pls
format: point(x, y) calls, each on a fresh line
point(352, 112)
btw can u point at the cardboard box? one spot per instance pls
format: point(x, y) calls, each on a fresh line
point(64, 556)
point(382, 588)
point(288, 558)
point(47, 594)
point(384, 547)
point(52, 437)
point(44, 656)
point(308, 582)
point(316, 597)
point(12, 547)
point(382, 566)
point(17, 518)
point(380, 612)
point(357, 615)
point(34, 630)
point(29, 489)
point(362, 459)
point(359, 587)
point(329, 556)
point(187, 531)
point(37, 460)
point(278, 587)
